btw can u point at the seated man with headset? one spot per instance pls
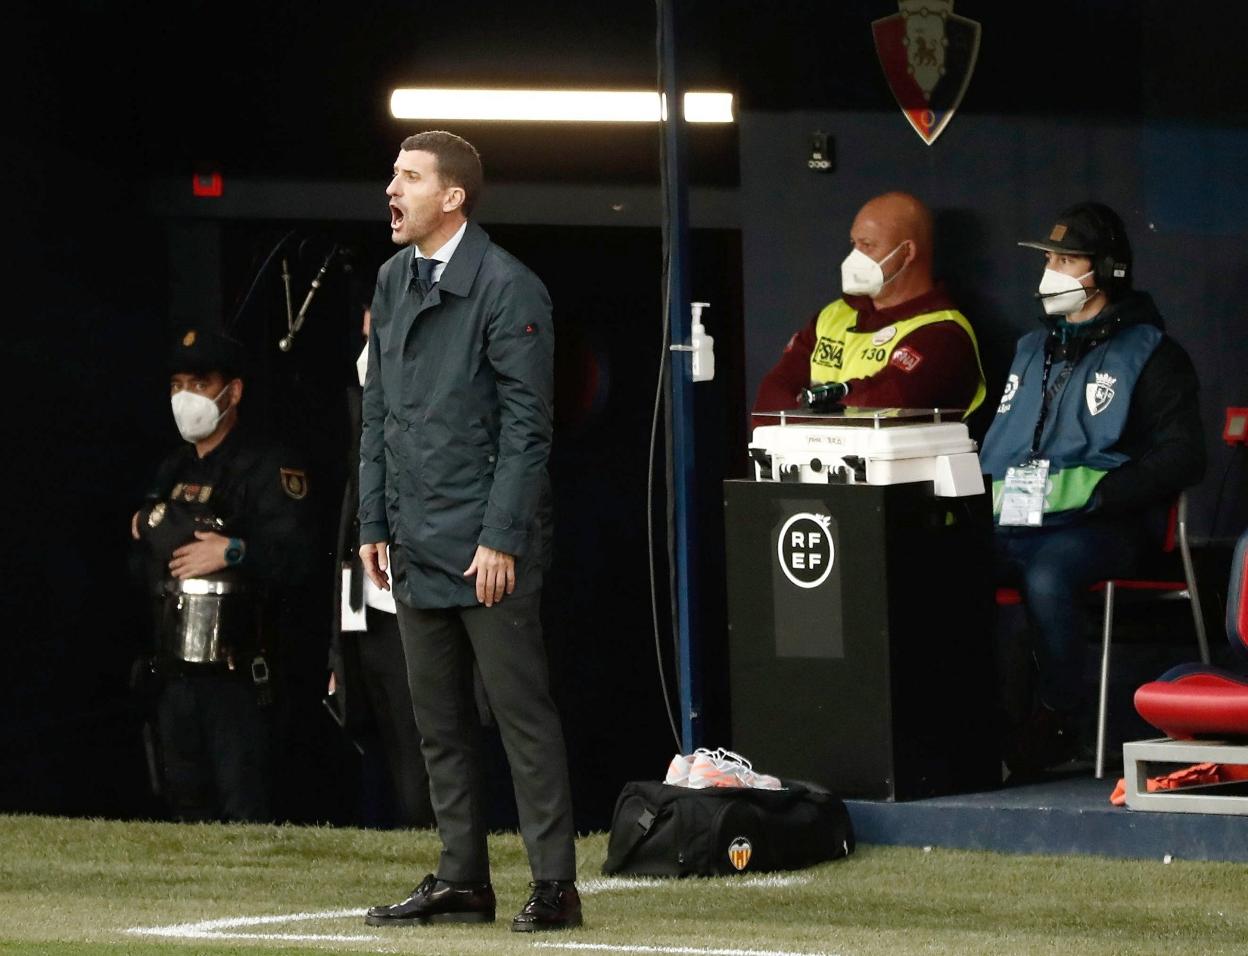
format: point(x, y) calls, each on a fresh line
point(1097, 431)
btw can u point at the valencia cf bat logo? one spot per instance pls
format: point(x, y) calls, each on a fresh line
point(739, 853)
point(928, 55)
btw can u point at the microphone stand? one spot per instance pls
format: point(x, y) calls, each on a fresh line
point(293, 327)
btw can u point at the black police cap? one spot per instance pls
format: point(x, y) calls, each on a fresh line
point(201, 350)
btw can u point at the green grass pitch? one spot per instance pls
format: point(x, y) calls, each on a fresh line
point(78, 887)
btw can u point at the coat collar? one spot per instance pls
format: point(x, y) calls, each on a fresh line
point(458, 276)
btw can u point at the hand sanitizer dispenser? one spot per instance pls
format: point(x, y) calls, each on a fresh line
point(703, 346)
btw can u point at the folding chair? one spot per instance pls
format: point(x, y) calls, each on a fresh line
point(1142, 589)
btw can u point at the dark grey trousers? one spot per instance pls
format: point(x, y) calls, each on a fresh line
point(506, 641)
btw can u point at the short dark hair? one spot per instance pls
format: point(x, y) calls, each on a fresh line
point(459, 163)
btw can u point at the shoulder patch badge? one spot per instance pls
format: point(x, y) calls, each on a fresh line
point(294, 483)
point(905, 358)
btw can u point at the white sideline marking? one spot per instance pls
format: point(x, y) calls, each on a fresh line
point(218, 928)
point(229, 927)
point(690, 950)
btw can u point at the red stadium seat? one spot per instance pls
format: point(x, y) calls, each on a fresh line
point(1195, 700)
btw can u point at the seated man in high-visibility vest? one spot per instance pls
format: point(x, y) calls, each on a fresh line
point(894, 339)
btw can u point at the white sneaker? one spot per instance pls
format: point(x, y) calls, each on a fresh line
point(709, 770)
point(678, 771)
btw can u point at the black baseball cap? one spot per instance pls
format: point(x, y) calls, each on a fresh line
point(1087, 229)
point(199, 350)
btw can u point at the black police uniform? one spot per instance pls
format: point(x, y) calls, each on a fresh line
point(212, 718)
point(214, 729)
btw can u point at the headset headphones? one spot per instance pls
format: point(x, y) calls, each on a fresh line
point(1111, 267)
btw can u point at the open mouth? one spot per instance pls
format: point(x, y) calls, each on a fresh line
point(396, 216)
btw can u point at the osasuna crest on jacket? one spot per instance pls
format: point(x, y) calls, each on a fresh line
point(1084, 421)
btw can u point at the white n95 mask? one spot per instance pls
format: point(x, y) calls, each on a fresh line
point(862, 275)
point(196, 416)
point(1062, 294)
point(361, 365)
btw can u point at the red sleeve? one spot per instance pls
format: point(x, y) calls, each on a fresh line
point(779, 387)
point(932, 367)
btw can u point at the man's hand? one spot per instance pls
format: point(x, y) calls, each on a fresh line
point(376, 559)
point(134, 526)
point(496, 574)
point(204, 555)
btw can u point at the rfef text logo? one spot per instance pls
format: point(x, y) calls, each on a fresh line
point(805, 550)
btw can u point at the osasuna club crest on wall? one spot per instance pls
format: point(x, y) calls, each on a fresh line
point(928, 54)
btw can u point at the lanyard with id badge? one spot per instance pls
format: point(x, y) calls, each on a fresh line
point(1024, 487)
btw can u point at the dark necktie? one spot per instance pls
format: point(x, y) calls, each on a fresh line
point(422, 275)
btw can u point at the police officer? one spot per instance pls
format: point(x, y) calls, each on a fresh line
point(226, 527)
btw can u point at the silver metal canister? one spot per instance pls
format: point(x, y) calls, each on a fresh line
point(205, 620)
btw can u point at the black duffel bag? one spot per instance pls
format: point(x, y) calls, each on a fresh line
point(662, 830)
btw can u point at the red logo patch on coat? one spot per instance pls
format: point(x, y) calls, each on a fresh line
point(530, 328)
point(906, 358)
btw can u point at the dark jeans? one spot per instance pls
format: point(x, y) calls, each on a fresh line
point(1053, 568)
point(214, 741)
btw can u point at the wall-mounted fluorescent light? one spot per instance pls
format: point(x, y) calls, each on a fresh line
point(566, 106)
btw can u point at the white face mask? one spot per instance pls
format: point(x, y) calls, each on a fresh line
point(1062, 294)
point(361, 365)
point(862, 275)
point(196, 416)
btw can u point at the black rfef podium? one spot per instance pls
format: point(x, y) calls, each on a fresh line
point(860, 622)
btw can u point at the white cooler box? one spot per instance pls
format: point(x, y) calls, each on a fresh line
point(877, 446)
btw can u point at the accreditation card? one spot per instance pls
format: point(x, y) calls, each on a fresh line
point(1022, 495)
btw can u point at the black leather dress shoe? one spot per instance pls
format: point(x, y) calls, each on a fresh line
point(552, 905)
point(437, 901)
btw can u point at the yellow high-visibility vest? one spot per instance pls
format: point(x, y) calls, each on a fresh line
point(841, 354)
